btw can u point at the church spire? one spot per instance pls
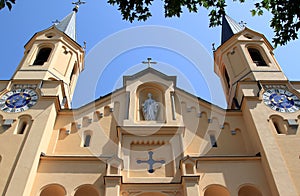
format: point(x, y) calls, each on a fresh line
point(68, 24)
point(229, 28)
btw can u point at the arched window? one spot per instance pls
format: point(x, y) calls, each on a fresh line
point(1, 124)
point(279, 124)
point(73, 75)
point(53, 189)
point(86, 190)
point(42, 56)
point(214, 190)
point(213, 140)
point(256, 57)
point(87, 138)
point(277, 127)
point(23, 124)
point(22, 127)
point(227, 80)
point(249, 191)
point(106, 111)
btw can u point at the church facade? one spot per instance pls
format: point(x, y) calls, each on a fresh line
point(149, 137)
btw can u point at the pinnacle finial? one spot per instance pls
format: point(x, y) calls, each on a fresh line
point(77, 4)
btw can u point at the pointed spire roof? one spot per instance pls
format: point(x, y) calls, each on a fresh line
point(229, 28)
point(68, 25)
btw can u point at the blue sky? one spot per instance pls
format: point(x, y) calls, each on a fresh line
point(181, 46)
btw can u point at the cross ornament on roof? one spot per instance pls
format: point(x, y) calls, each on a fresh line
point(242, 23)
point(149, 62)
point(56, 22)
point(77, 4)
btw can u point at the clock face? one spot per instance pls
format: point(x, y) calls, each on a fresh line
point(281, 100)
point(18, 100)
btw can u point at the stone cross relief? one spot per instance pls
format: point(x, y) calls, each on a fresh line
point(150, 162)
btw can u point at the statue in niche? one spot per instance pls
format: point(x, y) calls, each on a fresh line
point(150, 108)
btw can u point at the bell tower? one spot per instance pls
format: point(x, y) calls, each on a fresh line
point(54, 55)
point(41, 86)
point(244, 55)
point(254, 83)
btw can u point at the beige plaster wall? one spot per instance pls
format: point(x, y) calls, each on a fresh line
point(232, 175)
point(70, 174)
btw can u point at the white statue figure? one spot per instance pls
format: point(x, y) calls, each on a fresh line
point(150, 108)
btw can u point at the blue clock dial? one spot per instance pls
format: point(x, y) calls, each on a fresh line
point(18, 100)
point(281, 100)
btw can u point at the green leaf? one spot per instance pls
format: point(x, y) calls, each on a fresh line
point(2, 4)
point(8, 4)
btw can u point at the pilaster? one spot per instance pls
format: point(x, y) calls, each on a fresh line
point(191, 185)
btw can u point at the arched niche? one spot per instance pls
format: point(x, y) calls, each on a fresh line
point(249, 190)
point(85, 190)
point(158, 95)
point(53, 189)
point(213, 190)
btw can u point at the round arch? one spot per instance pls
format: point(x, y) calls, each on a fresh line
point(53, 189)
point(213, 190)
point(249, 190)
point(85, 190)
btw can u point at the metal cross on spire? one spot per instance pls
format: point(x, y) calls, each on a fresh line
point(149, 62)
point(77, 4)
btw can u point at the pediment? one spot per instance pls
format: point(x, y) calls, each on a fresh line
point(149, 75)
point(51, 32)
